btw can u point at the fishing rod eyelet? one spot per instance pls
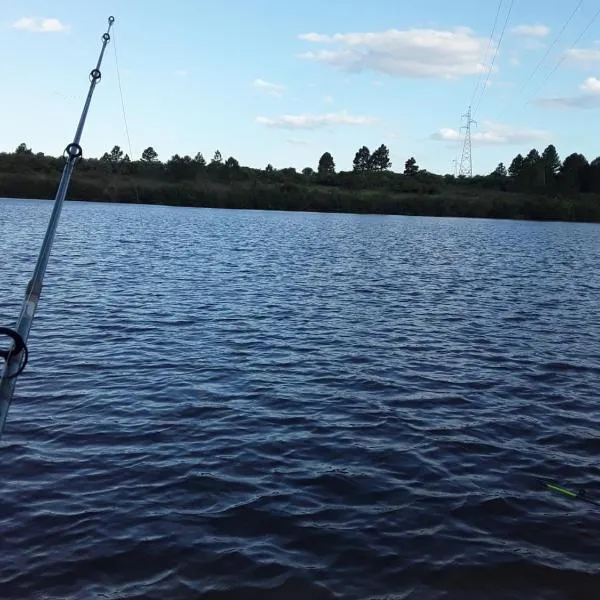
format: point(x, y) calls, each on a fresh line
point(73, 151)
point(106, 37)
point(19, 346)
point(111, 20)
point(95, 75)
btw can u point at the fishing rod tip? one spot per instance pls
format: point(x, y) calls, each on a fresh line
point(111, 20)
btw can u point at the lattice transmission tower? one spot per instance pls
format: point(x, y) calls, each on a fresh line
point(466, 160)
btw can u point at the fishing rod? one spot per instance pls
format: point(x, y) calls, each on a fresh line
point(15, 358)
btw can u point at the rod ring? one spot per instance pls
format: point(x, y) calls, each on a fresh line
point(19, 344)
point(111, 20)
point(106, 37)
point(95, 74)
point(73, 151)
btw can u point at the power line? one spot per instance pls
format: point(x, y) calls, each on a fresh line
point(466, 163)
point(485, 56)
point(562, 58)
point(495, 54)
point(535, 70)
point(541, 61)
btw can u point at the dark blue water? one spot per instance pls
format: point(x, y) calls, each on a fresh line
point(240, 405)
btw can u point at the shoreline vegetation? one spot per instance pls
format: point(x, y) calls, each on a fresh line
point(534, 187)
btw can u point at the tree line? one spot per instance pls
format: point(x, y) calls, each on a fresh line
point(537, 185)
point(546, 172)
point(185, 167)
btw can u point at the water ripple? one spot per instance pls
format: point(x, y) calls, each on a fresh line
point(246, 404)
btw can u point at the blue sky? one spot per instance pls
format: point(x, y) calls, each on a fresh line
point(278, 82)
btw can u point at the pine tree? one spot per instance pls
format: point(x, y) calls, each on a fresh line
point(326, 164)
point(410, 167)
point(380, 159)
point(362, 160)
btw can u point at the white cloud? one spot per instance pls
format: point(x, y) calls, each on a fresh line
point(590, 98)
point(315, 37)
point(584, 57)
point(309, 121)
point(40, 25)
point(445, 54)
point(181, 73)
point(494, 134)
point(591, 84)
point(296, 141)
point(328, 99)
point(275, 89)
point(536, 31)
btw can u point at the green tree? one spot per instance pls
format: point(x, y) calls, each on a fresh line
point(410, 167)
point(593, 176)
point(516, 166)
point(572, 172)
point(307, 171)
point(551, 159)
point(217, 158)
point(200, 160)
point(22, 149)
point(326, 164)
point(113, 159)
point(533, 170)
point(179, 168)
point(116, 155)
point(232, 163)
point(533, 158)
point(529, 171)
point(269, 168)
point(362, 160)
point(380, 159)
point(500, 171)
point(149, 155)
point(126, 166)
point(551, 164)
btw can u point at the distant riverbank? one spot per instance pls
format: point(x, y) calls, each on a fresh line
point(453, 201)
point(569, 195)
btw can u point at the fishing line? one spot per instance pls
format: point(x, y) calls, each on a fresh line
point(121, 95)
point(133, 176)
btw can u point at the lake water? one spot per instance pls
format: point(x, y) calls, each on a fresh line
point(244, 404)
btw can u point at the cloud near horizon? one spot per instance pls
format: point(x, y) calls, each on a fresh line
point(417, 53)
point(274, 89)
point(494, 134)
point(40, 25)
point(311, 121)
point(588, 99)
